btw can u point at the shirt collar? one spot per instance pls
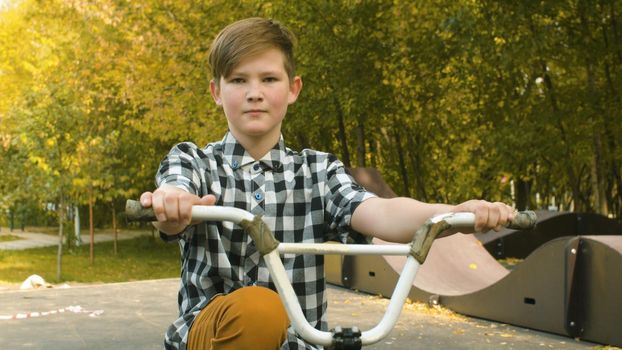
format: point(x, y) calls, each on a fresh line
point(236, 156)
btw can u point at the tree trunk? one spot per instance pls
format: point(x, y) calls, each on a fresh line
point(591, 96)
point(598, 186)
point(61, 221)
point(91, 231)
point(76, 225)
point(418, 171)
point(618, 178)
point(11, 219)
point(345, 154)
point(114, 226)
point(614, 200)
point(402, 162)
point(373, 150)
point(22, 218)
point(523, 189)
point(360, 145)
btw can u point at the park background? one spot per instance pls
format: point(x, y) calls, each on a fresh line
point(508, 101)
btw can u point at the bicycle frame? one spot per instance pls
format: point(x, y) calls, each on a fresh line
point(270, 249)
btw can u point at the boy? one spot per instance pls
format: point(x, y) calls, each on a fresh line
point(226, 297)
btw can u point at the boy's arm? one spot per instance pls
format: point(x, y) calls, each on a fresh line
point(397, 219)
point(173, 207)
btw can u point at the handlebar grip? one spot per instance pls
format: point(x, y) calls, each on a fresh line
point(428, 232)
point(134, 211)
point(523, 220)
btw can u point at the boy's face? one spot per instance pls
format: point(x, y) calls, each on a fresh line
point(255, 96)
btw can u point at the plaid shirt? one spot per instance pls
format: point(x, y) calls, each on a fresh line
point(304, 197)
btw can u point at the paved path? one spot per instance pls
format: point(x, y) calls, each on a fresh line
point(37, 240)
point(134, 316)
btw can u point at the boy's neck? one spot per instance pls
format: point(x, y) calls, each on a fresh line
point(259, 146)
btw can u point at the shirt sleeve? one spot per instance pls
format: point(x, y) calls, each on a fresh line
point(343, 195)
point(180, 169)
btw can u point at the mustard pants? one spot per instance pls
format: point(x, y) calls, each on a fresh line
point(248, 318)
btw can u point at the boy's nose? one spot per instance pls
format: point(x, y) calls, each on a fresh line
point(254, 93)
point(254, 97)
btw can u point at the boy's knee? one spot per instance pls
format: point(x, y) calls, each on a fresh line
point(248, 318)
point(260, 313)
point(261, 304)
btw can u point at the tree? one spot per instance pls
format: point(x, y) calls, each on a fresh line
point(450, 100)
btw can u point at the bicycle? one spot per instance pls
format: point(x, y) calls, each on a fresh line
point(339, 338)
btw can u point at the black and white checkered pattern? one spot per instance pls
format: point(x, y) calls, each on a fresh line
point(304, 197)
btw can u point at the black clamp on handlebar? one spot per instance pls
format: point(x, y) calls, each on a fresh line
point(346, 338)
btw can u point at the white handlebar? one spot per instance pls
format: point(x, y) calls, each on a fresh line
point(416, 252)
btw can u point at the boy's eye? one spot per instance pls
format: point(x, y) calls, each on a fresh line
point(236, 80)
point(270, 79)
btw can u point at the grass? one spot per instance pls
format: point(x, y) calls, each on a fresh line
point(8, 238)
point(137, 259)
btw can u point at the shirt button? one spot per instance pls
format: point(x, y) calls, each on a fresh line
point(256, 166)
point(258, 196)
point(235, 164)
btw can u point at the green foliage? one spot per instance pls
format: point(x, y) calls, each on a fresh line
point(449, 99)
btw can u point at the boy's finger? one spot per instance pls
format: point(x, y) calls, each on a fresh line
point(185, 208)
point(506, 213)
point(481, 218)
point(171, 207)
point(157, 203)
point(493, 216)
point(145, 199)
point(209, 199)
point(205, 200)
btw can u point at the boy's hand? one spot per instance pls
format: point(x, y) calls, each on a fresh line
point(487, 215)
point(173, 207)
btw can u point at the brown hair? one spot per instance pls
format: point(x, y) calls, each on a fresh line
point(248, 37)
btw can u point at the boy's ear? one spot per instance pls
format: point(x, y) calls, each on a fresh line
point(215, 90)
point(294, 89)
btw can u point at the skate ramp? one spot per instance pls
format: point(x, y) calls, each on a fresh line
point(569, 285)
point(551, 225)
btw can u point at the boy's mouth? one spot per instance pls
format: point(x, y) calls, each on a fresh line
point(255, 111)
